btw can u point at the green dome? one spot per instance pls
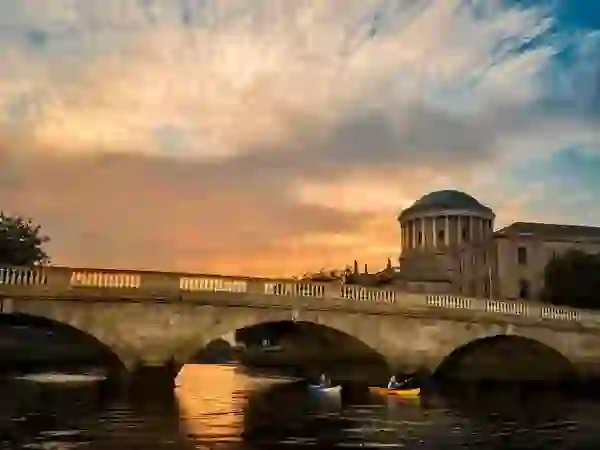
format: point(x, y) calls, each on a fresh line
point(446, 199)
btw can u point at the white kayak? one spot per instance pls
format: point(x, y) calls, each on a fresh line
point(325, 390)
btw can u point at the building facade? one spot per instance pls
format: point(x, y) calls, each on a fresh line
point(433, 229)
point(511, 264)
point(449, 245)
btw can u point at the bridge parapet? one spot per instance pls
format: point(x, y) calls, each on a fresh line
point(18, 276)
point(150, 285)
point(63, 278)
point(528, 309)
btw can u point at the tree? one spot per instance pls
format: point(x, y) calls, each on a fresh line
point(573, 279)
point(21, 242)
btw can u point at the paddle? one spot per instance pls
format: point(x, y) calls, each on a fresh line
point(406, 381)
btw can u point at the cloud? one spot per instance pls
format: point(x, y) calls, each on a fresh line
point(268, 137)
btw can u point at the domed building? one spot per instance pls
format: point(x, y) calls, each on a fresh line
point(444, 220)
point(449, 246)
point(433, 229)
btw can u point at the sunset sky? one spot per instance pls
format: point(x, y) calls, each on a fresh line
point(272, 137)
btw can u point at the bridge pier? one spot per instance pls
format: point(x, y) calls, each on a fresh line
point(152, 379)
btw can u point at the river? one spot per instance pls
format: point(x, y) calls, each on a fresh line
point(223, 407)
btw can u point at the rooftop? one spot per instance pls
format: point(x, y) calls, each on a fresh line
point(446, 199)
point(550, 230)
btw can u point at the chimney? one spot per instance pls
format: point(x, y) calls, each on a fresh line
point(355, 266)
point(389, 263)
point(366, 269)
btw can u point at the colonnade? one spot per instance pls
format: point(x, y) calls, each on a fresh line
point(444, 230)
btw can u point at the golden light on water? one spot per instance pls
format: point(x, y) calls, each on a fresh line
point(212, 399)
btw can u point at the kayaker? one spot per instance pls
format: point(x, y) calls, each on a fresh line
point(324, 381)
point(393, 383)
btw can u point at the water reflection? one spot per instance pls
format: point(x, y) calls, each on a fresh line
point(222, 407)
point(211, 401)
point(33, 414)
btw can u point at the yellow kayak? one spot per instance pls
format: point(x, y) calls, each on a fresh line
point(407, 393)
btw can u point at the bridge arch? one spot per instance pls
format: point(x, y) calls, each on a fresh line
point(348, 331)
point(505, 357)
point(67, 334)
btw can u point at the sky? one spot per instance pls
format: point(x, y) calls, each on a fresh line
point(275, 137)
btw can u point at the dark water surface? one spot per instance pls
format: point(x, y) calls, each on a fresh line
point(221, 407)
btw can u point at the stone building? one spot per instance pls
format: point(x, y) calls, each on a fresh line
point(449, 245)
point(511, 264)
point(433, 230)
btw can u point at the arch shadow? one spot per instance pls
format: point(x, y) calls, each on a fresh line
point(218, 351)
point(305, 348)
point(505, 358)
point(53, 339)
point(269, 419)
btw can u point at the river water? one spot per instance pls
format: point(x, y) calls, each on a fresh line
point(223, 407)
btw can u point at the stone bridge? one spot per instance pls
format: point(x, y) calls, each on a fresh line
point(153, 319)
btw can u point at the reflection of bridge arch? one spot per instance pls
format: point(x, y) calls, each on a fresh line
point(505, 357)
point(95, 350)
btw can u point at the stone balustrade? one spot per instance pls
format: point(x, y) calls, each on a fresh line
point(22, 277)
point(515, 308)
point(65, 279)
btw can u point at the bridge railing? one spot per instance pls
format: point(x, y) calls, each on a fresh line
point(172, 284)
point(527, 309)
point(22, 276)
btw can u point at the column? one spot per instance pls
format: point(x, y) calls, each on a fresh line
point(482, 229)
point(434, 231)
point(447, 232)
point(422, 233)
point(471, 228)
point(403, 236)
point(459, 229)
point(413, 225)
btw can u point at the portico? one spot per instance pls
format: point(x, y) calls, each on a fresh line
point(444, 220)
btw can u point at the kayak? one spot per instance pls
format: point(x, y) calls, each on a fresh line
point(406, 393)
point(325, 390)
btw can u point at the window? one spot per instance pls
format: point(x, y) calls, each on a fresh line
point(484, 257)
point(523, 289)
point(420, 238)
point(465, 234)
point(486, 287)
point(441, 236)
point(473, 259)
point(522, 256)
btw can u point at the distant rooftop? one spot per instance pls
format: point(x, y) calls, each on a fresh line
point(550, 230)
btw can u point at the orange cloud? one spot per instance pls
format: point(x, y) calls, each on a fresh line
point(130, 211)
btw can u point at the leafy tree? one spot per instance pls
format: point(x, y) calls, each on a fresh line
point(21, 242)
point(573, 279)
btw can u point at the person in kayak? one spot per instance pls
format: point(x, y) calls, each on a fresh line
point(324, 382)
point(393, 383)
